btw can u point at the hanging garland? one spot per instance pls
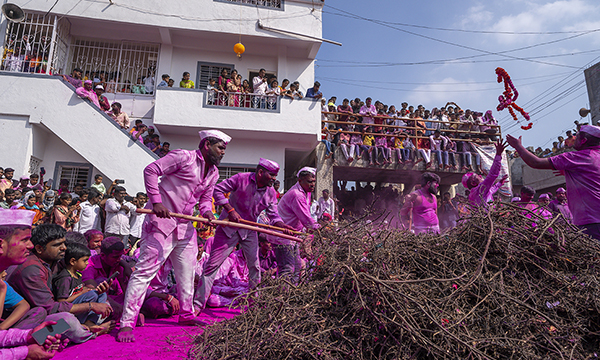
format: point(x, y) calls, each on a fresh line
point(507, 99)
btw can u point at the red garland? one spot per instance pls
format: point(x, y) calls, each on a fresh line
point(507, 101)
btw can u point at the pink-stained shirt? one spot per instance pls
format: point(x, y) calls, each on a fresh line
point(368, 112)
point(424, 215)
point(381, 141)
point(484, 192)
point(356, 139)
point(13, 337)
point(95, 271)
point(582, 174)
point(294, 209)
point(182, 186)
point(122, 119)
point(247, 200)
point(91, 94)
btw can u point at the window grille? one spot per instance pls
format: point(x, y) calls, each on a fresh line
point(74, 173)
point(28, 45)
point(121, 67)
point(227, 172)
point(272, 4)
point(207, 71)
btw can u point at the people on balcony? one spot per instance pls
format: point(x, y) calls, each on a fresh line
point(314, 92)
point(185, 82)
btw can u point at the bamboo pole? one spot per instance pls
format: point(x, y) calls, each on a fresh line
point(270, 227)
point(225, 223)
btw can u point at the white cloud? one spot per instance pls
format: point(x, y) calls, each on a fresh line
point(553, 16)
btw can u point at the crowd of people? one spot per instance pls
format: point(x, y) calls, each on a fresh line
point(383, 134)
point(79, 255)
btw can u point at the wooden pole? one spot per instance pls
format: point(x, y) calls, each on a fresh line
point(225, 223)
point(270, 227)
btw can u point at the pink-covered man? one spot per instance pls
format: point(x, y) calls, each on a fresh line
point(582, 173)
point(86, 92)
point(250, 194)
point(294, 209)
point(420, 207)
point(188, 178)
point(482, 191)
point(560, 205)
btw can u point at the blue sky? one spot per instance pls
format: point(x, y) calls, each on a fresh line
point(378, 56)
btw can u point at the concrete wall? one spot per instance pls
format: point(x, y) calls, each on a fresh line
point(298, 121)
point(198, 15)
point(88, 133)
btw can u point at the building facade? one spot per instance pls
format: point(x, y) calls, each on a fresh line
point(127, 48)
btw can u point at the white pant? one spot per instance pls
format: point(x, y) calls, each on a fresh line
point(155, 249)
point(222, 247)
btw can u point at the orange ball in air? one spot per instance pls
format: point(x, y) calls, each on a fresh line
point(239, 49)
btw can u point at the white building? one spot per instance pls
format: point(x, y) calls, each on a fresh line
point(44, 124)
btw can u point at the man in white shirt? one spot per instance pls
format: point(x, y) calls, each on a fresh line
point(326, 205)
point(88, 217)
point(136, 220)
point(259, 82)
point(118, 212)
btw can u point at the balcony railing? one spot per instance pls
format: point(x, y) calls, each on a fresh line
point(415, 128)
point(215, 98)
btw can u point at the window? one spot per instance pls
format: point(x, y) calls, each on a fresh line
point(269, 75)
point(210, 70)
point(34, 165)
point(272, 4)
point(227, 172)
point(120, 65)
point(73, 172)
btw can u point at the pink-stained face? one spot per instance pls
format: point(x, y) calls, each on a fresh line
point(16, 247)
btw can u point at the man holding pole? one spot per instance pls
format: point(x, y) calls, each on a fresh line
point(250, 194)
point(188, 178)
point(294, 210)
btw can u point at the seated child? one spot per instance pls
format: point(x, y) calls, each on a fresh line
point(68, 286)
point(15, 310)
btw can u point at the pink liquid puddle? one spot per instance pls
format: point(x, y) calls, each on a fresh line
point(159, 339)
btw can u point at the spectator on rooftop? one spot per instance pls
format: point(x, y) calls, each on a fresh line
point(147, 138)
point(368, 111)
point(111, 86)
point(295, 92)
point(314, 92)
point(86, 92)
point(75, 78)
point(119, 116)
point(344, 108)
point(185, 82)
point(570, 140)
point(165, 81)
point(171, 82)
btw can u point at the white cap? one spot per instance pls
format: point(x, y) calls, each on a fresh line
point(16, 217)
point(309, 169)
point(216, 134)
point(99, 87)
point(591, 129)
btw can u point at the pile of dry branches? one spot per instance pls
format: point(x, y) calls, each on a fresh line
point(496, 287)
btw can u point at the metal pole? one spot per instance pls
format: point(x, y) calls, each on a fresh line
point(52, 44)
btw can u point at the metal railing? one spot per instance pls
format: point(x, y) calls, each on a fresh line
point(218, 98)
point(452, 130)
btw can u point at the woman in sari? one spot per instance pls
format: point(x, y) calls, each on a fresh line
point(64, 214)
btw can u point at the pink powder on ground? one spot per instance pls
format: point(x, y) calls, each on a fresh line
point(160, 339)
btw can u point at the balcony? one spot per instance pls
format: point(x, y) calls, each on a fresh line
point(296, 122)
point(360, 169)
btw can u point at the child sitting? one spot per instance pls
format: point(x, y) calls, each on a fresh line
point(68, 286)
